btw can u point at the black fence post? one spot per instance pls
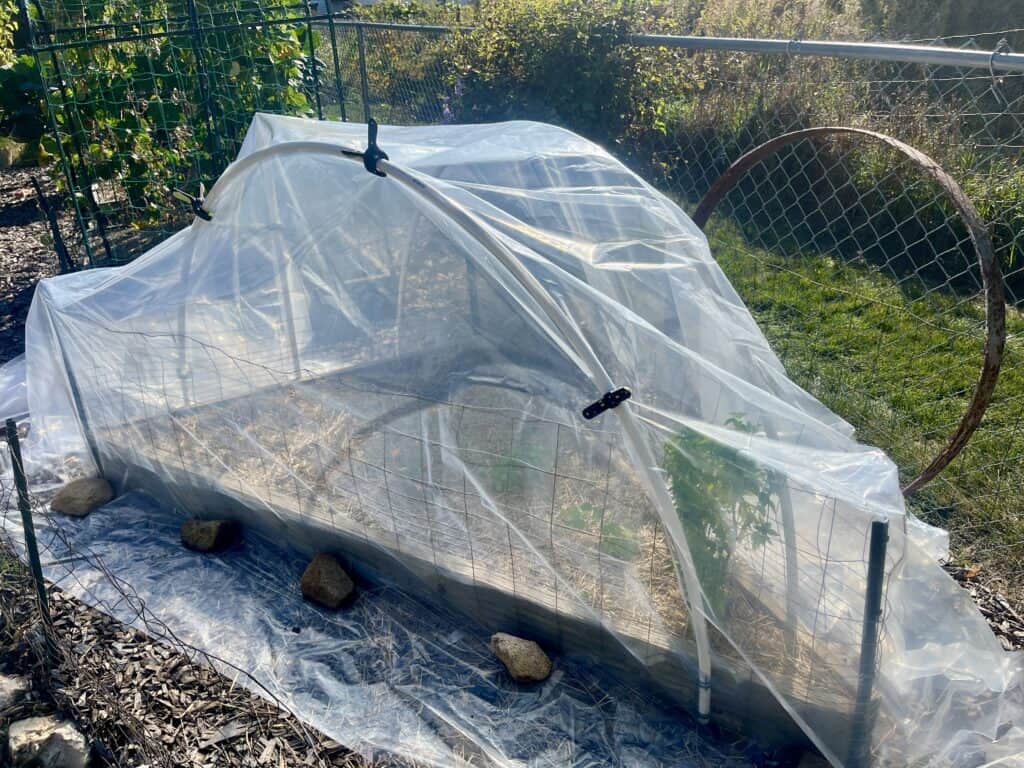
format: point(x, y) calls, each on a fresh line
point(314, 70)
point(364, 81)
point(203, 79)
point(859, 755)
point(338, 83)
point(31, 547)
point(64, 259)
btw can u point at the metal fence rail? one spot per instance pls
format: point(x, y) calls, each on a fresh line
point(858, 268)
point(997, 60)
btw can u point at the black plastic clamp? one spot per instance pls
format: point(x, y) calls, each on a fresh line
point(611, 399)
point(373, 153)
point(195, 203)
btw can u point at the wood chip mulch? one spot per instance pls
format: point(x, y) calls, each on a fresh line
point(1005, 620)
point(139, 701)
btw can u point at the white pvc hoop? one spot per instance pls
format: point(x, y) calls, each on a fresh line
point(587, 361)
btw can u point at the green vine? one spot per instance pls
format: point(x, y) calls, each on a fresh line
point(146, 115)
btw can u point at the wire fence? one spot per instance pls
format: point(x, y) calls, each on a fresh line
point(572, 532)
point(162, 691)
point(855, 261)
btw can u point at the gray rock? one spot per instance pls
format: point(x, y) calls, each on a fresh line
point(12, 153)
point(524, 659)
point(325, 582)
point(12, 690)
point(46, 742)
point(210, 535)
point(80, 497)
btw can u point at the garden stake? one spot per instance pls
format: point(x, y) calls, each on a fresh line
point(863, 714)
point(31, 548)
point(67, 264)
point(338, 82)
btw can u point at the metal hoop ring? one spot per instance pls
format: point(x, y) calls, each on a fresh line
point(992, 277)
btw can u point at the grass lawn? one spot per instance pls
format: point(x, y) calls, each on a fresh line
point(899, 362)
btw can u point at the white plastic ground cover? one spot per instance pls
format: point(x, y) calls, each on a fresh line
point(392, 675)
point(334, 352)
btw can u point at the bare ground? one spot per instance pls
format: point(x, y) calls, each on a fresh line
point(26, 252)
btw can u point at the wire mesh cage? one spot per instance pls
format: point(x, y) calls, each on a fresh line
point(159, 98)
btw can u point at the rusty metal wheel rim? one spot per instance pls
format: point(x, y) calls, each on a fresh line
point(992, 277)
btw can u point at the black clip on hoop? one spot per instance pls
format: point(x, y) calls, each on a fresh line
point(611, 399)
point(373, 153)
point(193, 202)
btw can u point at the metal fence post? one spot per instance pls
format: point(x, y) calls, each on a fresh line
point(31, 547)
point(339, 85)
point(313, 69)
point(203, 77)
point(859, 755)
point(67, 264)
point(363, 79)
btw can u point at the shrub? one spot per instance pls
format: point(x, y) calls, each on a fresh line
point(924, 19)
point(786, 19)
point(146, 115)
point(22, 115)
point(558, 61)
point(8, 28)
point(21, 100)
point(413, 12)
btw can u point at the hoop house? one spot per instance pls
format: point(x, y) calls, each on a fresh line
point(396, 366)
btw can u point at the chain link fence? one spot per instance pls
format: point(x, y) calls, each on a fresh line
point(853, 259)
point(857, 264)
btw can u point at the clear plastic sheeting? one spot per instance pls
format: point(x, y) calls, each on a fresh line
point(13, 395)
point(391, 675)
point(395, 369)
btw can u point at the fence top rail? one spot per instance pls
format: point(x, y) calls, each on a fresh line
point(996, 59)
point(128, 31)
